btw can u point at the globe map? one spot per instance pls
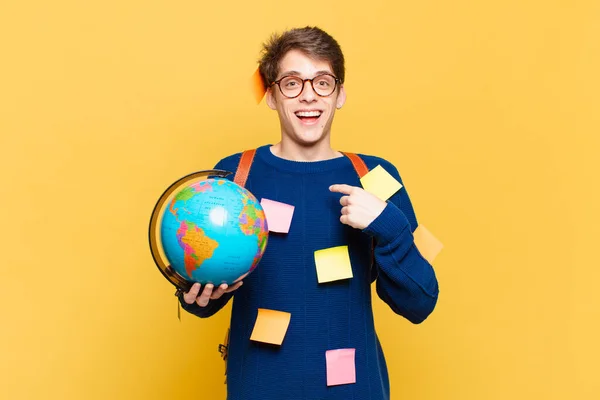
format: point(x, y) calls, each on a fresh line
point(213, 231)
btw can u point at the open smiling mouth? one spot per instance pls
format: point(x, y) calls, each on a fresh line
point(309, 117)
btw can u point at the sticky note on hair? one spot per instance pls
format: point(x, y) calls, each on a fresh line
point(257, 86)
point(341, 368)
point(380, 183)
point(333, 264)
point(270, 326)
point(279, 215)
point(429, 246)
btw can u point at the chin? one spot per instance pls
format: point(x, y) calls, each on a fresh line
point(309, 138)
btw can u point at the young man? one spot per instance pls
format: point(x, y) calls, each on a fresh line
point(303, 71)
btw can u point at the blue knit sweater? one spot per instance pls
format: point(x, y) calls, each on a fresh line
point(326, 316)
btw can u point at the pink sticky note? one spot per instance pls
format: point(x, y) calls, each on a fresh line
point(279, 215)
point(340, 367)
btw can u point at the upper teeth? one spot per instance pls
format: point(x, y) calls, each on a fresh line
point(308, 113)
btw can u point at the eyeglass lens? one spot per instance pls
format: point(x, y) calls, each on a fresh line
point(323, 85)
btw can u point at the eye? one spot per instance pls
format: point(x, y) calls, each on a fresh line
point(290, 82)
point(324, 82)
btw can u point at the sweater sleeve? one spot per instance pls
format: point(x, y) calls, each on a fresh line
point(406, 281)
point(213, 306)
point(210, 309)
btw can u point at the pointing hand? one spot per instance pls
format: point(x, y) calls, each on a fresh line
point(359, 207)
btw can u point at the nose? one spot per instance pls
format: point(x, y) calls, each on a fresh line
point(308, 94)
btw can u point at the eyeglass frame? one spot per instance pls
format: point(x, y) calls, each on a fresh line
point(336, 81)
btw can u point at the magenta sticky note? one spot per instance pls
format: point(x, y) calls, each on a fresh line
point(279, 215)
point(340, 367)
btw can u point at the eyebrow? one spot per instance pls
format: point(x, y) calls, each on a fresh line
point(296, 73)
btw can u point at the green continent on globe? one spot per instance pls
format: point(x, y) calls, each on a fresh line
point(197, 247)
point(262, 242)
point(187, 193)
point(252, 223)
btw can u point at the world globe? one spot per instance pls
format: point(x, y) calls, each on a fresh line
point(207, 230)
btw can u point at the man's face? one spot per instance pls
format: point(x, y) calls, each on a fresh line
point(307, 118)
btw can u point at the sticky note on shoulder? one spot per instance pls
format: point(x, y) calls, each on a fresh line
point(341, 368)
point(270, 326)
point(429, 246)
point(380, 183)
point(279, 215)
point(333, 264)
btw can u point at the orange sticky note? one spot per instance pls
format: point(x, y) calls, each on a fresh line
point(257, 86)
point(333, 264)
point(429, 246)
point(379, 182)
point(279, 215)
point(270, 326)
point(341, 368)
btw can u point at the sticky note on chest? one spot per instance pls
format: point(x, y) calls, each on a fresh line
point(333, 264)
point(279, 215)
point(380, 183)
point(270, 326)
point(341, 367)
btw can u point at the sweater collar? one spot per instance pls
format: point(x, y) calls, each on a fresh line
point(265, 154)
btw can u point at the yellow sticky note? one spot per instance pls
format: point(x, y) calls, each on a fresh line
point(379, 182)
point(270, 326)
point(333, 264)
point(429, 246)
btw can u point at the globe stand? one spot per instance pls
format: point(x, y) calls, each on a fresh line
point(181, 284)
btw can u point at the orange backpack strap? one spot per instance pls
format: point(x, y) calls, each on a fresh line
point(241, 175)
point(359, 165)
point(361, 169)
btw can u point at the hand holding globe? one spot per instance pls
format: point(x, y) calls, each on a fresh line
point(208, 293)
point(207, 231)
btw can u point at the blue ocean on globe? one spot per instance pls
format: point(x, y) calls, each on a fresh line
point(213, 231)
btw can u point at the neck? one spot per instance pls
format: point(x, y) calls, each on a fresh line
point(295, 152)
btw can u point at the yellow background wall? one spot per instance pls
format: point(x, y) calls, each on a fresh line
point(490, 110)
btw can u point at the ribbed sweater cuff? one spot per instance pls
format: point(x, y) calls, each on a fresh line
point(388, 225)
point(206, 311)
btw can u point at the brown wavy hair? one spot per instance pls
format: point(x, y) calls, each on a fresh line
point(312, 41)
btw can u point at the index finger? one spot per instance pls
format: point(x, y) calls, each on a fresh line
point(190, 296)
point(204, 297)
point(341, 188)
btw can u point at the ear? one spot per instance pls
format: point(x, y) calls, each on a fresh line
point(341, 97)
point(270, 99)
